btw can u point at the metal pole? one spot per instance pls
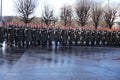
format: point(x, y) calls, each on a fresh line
point(108, 4)
point(1, 10)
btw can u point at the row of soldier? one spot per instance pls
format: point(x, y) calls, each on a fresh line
point(21, 35)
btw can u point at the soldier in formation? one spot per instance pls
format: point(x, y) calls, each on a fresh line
point(21, 36)
point(2, 35)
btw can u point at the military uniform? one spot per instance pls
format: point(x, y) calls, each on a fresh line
point(93, 38)
point(28, 36)
point(50, 36)
point(21, 36)
point(118, 40)
point(64, 37)
point(44, 36)
point(114, 39)
point(11, 36)
point(37, 37)
point(2, 33)
point(82, 37)
point(77, 38)
point(97, 38)
point(57, 36)
point(88, 37)
point(16, 36)
point(33, 31)
point(71, 37)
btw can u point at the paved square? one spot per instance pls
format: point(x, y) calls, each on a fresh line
point(61, 63)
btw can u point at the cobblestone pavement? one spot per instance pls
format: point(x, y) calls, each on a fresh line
point(60, 63)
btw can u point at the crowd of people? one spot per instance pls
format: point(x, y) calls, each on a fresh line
point(46, 36)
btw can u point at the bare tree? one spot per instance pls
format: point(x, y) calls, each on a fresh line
point(109, 17)
point(47, 15)
point(26, 8)
point(66, 15)
point(83, 11)
point(96, 15)
point(70, 15)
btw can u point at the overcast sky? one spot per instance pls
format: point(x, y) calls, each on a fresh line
point(9, 6)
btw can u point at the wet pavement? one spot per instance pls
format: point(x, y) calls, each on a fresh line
point(60, 63)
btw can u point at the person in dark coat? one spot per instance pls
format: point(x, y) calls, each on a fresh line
point(71, 36)
point(82, 37)
point(114, 38)
point(16, 31)
point(44, 36)
point(64, 37)
point(37, 36)
point(88, 37)
point(77, 38)
point(103, 37)
point(97, 38)
point(118, 40)
point(50, 36)
point(11, 36)
point(21, 36)
point(107, 38)
point(57, 36)
point(33, 31)
point(5, 33)
point(40, 35)
point(93, 37)
point(28, 36)
point(2, 33)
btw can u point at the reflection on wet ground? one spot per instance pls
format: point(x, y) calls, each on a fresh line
point(60, 63)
